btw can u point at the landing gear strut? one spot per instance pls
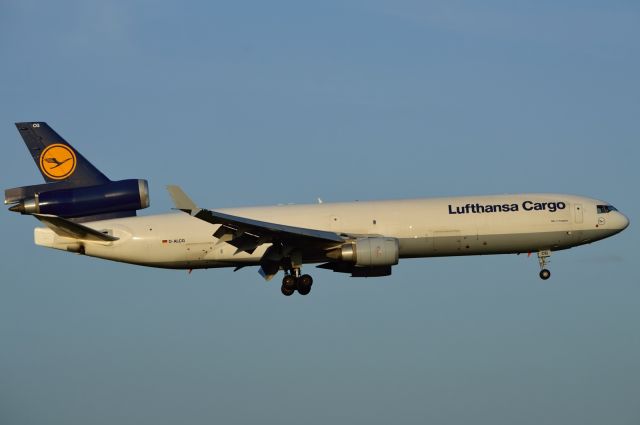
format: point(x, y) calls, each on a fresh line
point(543, 259)
point(293, 281)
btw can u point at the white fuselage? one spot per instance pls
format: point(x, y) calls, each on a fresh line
point(472, 225)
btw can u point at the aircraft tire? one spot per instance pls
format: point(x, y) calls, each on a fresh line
point(287, 290)
point(304, 284)
point(289, 281)
point(545, 274)
point(304, 290)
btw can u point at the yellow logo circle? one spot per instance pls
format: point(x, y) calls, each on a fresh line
point(58, 161)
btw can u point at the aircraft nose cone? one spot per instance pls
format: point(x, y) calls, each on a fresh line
point(624, 221)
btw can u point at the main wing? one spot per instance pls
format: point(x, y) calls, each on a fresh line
point(365, 255)
point(248, 234)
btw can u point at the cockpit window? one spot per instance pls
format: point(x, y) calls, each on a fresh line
point(604, 209)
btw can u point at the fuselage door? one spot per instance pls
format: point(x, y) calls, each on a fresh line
point(577, 210)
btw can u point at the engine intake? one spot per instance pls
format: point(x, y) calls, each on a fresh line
point(123, 195)
point(368, 252)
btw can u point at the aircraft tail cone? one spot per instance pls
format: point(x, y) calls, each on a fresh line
point(17, 208)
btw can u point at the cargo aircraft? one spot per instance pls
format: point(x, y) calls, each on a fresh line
point(86, 213)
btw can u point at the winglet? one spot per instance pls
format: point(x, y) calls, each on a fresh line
point(181, 200)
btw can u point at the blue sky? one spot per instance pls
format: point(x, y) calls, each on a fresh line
point(253, 103)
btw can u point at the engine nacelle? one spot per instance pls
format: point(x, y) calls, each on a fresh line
point(369, 252)
point(123, 195)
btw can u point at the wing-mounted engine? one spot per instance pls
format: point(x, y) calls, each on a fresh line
point(365, 257)
point(118, 198)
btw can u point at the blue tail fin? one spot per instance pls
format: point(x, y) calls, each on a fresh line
point(56, 159)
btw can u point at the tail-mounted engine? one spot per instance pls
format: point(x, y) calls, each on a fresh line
point(124, 196)
point(75, 189)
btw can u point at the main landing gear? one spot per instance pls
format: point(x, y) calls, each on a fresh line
point(543, 259)
point(293, 281)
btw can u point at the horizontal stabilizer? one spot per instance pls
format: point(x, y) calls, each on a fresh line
point(69, 229)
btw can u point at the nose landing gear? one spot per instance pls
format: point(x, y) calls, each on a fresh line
point(293, 281)
point(545, 274)
point(543, 259)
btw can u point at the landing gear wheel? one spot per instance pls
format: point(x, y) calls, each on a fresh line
point(286, 290)
point(304, 284)
point(545, 274)
point(288, 285)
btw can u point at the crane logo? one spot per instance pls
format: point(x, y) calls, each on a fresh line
point(58, 161)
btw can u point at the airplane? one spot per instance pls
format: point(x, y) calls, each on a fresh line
point(84, 212)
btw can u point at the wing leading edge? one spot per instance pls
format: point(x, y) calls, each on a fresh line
point(265, 230)
point(239, 229)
